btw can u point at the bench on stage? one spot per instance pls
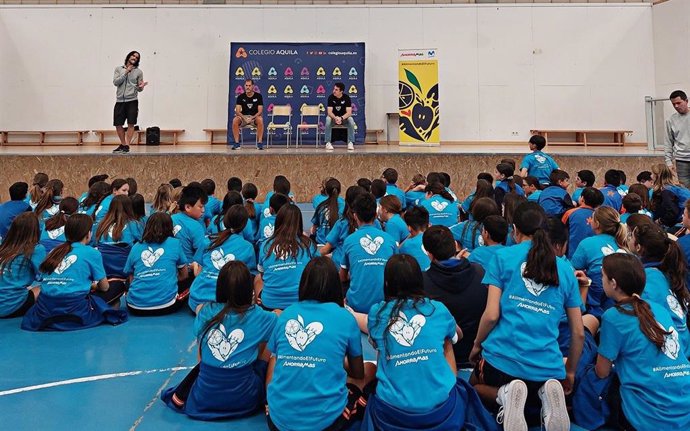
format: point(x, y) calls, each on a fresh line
point(38, 137)
point(583, 137)
point(140, 136)
point(211, 135)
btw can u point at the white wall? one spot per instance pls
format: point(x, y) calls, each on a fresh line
point(503, 70)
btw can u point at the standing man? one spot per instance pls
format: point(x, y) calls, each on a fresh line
point(248, 112)
point(129, 80)
point(340, 112)
point(677, 142)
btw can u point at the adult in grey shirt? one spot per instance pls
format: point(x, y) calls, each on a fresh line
point(677, 142)
point(129, 80)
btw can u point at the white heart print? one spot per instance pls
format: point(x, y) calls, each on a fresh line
point(540, 158)
point(65, 264)
point(371, 245)
point(222, 345)
point(532, 286)
point(268, 230)
point(439, 206)
point(53, 210)
point(55, 233)
point(300, 336)
point(149, 257)
point(671, 346)
point(267, 212)
point(674, 305)
point(406, 331)
point(608, 250)
point(177, 229)
point(219, 258)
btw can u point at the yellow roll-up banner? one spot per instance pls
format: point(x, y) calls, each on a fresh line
point(418, 97)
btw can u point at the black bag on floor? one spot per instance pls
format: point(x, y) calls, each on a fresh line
point(153, 135)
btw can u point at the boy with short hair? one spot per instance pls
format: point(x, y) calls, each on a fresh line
point(578, 219)
point(390, 175)
point(532, 188)
point(555, 198)
point(583, 178)
point(417, 220)
point(186, 226)
point(494, 234)
point(612, 198)
point(538, 164)
point(15, 206)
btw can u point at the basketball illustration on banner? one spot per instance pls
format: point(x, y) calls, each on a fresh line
point(418, 100)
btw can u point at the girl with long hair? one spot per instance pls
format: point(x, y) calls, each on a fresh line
point(20, 257)
point(282, 258)
point(217, 224)
point(468, 234)
point(389, 214)
point(249, 194)
point(66, 301)
point(163, 200)
point(119, 224)
point(639, 337)
point(516, 351)
point(505, 183)
point(49, 203)
point(97, 192)
point(668, 197)
point(37, 188)
point(53, 232)
point(343, 227)
point(328, 211)
point(117, 187)
point(443, 210)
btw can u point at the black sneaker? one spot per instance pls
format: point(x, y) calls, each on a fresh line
point(118, 149)
point(260, 146)
point(125, 149)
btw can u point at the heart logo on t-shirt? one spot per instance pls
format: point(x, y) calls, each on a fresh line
point(671, 346)
point(300, 336)
point(219, 258)
point(268, 230)
point(608, 250)
point(532, 286)
point(149, 257)
point(675, 307)
point(371, 245)
point(222, 345)
point(406, 331)
point(177, 229)
point(439, 206)
point(55, 233)
point(540, 158)
point(65, 264)
point(267, 212)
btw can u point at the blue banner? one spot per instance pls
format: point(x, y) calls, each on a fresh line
point(296, 74)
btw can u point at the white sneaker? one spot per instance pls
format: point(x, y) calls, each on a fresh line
point(350, 146)
point(554, 413)
point(329, 146)
point(511, 398)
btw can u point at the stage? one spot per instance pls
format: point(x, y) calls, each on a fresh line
point(305, 166)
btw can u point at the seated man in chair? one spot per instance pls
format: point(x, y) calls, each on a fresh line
point(340, 113)
point(248, 112)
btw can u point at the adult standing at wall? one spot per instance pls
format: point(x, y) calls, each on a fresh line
point(677, 142)
point(129, 80)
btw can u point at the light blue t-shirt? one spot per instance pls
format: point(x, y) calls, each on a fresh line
point(48, 213)
point(336, 237)
point(234, 342)
point(462, 233)
point(366, 252)
point(655, 384)
point(132, 232)
point(413, 198)
point(317, 199)
point(524, 342)
point(212, 208)
point(102, 209)
point(217, 226)
point(154, 270)
point(658, 290)
point(82, 266)
point(414, 247)
point(320, 220)
point(53, 235)
point(310, 343)
point(16, 276)
point(483, 255)
point(539, 165)
point(266, 229)
point(576, 195)
point(441, 211)
point(534, 197)
point(281, 276)
point(203, 287)
point(397, 228)
point(411, 351)
point(190, 233)
point(392, 189)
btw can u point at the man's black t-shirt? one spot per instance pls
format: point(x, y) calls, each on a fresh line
point(339, 105)
point(250, 105)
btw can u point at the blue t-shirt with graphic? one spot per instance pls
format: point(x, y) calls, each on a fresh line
point(413, 198)
point(266, 229)
point(234, 342)
point(212, 208)
point(589, 257)
point(579, 228)
point(465, 205)
point(310, 343)
point(658, 290)
point(462, 233)
point(441, 211)
point(539, 165)
point(392, 189)
point(483, 255)
point(154, 273)
point(15, 276)
point(131, 233)
point(366, 252)
point(320, 220)
point(203, 287)
point(281, 275)
point(102, 209)
point(53, 235)
point(82, 266)
point(336, 238)
point(655, 384)
point(414, 247)
point(190, 233)
point(217, 226)
point(524, 342)
point(411, 351)
point(397, 228)
point(612, 198)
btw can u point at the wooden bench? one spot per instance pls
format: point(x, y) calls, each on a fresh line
point(372, 136)
point(40, 137)
point(583, 137)
point(140, 136)
point(211, 134)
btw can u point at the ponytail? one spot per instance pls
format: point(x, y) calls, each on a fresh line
point(507, 170)
point(648, 324)
point(40, 181)
point(332, 190)
point(621, 235)
point(437, 188)
point(55, 257)
point(673, 265)
point(53, 189)
point(541, 260)
point(251, 209)
point(610, 223)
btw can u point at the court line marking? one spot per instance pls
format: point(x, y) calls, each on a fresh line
point(89, 379)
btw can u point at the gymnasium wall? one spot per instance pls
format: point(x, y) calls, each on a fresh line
point(503, 69)
point(671, 24)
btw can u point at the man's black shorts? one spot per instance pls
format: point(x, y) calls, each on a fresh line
point(126, 111)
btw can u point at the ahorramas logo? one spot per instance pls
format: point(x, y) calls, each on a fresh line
point(241, 53)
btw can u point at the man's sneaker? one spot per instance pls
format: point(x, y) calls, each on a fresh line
point(554, 413)
point(329, 146)
point(236, 146)
point(125, 149)
point(350, 146)
point(118, 149)
point(260, 146)
point(511, 398)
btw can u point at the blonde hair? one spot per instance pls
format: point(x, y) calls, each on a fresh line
point(163, 199)
point(610, 223)
point(663, 176)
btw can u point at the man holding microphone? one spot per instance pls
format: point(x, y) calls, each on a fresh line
point(129, 80)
